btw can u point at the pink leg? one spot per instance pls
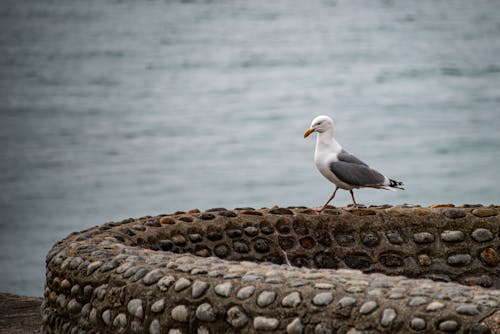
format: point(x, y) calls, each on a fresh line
point(329, 200)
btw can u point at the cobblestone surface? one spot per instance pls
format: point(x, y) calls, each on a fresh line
point(376, 270)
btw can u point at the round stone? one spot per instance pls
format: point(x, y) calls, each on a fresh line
point(322, 299)
point(74, 306)
point(454, 213)
point(370, 239)
point(346, 301)
point(484, 212)
point(158, 306)
point(93, 316)
point(152, 277)
point(180, 313)
point(154, 327)
point(165, 283)
point(417, 301)
point(324, 286)
point(291, 300)
point(394, 237)
point(181, 284)
point(467, 309)
point(368, 307)
point(265, 324)
point(205, 312)
point(424, 260)
point(251, 231)
point(295, 327)
point(434, 306)
point(490, 256)
point(452, 236)
point(93, 266)
point(134, 307)
point(224, 289)
point(266, 298)
point(459, 259)
point(221, 251)
point(261, 245)
point(322, 328)
point(120, 320)
point(448, 326)
point(245, 292)
point(65, 284)
point(418, 324)
point(482, 235)
point(388, 316)
point(240, 247)
point(106, 317)
point(423, 237)
point(236, 317)
point(198, 288)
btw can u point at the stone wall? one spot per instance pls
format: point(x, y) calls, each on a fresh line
point(291, 270)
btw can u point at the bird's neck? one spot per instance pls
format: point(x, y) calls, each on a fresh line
point(326, 142)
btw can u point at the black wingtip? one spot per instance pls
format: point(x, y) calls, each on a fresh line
point(395, 184)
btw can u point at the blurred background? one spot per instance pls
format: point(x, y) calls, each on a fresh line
point(117, 109)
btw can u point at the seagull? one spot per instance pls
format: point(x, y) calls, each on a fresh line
point(341, 167)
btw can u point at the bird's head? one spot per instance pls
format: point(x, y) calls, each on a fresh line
point(320, 124)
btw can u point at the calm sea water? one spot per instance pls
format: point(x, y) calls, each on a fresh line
point(116, 109)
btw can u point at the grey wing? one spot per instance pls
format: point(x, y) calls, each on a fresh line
point(353, 171)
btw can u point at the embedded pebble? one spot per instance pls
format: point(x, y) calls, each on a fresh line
point(452, 236)
point(266, 298)
point(434, 306)
point(180, 313)
point(205, 312)
point(224, 289)
point(423, 237)
point(322, 299)
point(368, 307)
point(93, 316)
point(295, 327)
point(165, 283)
point(322, 328)
point(65, 284)
point(418, 324)
point(417, 301)
point(158, 306)
point(388, 316)
point(120, 320)
point(454, 213)
point(323, 286)
point(74, 306)
point(467, 309)
point(181, 284)
point(265, 324)
point(394, 237)
point(106, 317)
point(152, 277)
point(291, 300)
point(93, 266)
point(236, 317)
point(484, 212)
point(198, 288)
point(459, 259)
point(134, 307)
point(482, 235)
point(154, 327)
point(448, 326)
point(346, 302)
point(245, 292)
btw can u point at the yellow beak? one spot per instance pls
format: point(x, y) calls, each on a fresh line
point(308, 132)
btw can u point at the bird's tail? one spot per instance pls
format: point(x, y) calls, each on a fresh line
point(393, 185)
